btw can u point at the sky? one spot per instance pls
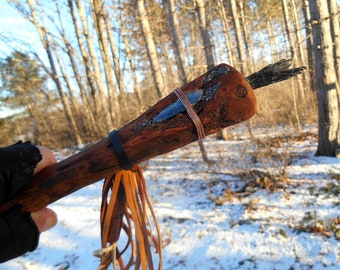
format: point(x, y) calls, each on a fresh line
point(12, 24)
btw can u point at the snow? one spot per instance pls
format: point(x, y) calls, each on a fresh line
point(205, 227)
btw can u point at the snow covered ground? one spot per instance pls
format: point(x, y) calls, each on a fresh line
point(267, 203)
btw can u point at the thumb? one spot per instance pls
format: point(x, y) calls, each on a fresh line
point(45, 219)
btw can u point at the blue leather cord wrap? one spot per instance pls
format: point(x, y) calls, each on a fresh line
point(118, 148)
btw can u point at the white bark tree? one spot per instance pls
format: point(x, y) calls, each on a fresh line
point(156, 70)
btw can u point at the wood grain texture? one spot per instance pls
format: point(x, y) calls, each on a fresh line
point(227, 99)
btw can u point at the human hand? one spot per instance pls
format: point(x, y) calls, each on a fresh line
point(19, 231)
point(44, 218)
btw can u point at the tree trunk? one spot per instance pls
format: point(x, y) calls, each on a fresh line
point(301, 51)
point(239, 37)
point(156, 70)
point(294, 53)
point(97, 14)
point(334, 14)
point(92, 102)
point(87, 113)
point(271, 36)
point(289, 34)
point(137, 88)
point(326, 82)
point(209, 56)
point(247, 41)
point(167, 64)
point(309, 44)
point(173, 24)
point(90, 125)
point(292, 43)
point(116, 68)
point(36, 132)
point(226, 31)
point(44, 39)
point(103, 102)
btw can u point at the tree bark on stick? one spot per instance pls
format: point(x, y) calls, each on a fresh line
point(233, 101)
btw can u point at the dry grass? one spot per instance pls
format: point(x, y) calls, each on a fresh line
point(276, 105)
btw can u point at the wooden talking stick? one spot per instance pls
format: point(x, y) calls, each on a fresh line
point(220, 98)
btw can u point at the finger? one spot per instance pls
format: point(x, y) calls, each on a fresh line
point(45, 219)
point(48, 159)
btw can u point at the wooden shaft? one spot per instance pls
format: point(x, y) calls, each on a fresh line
point(227, 99)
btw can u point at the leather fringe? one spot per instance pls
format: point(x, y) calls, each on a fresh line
point(129, 229)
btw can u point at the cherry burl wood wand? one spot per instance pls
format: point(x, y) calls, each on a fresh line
point(221, 97)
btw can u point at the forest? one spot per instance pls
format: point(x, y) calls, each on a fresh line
point(92, 66)
point(268, 197)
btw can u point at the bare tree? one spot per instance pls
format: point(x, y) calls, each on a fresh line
point(208, 50)
point(117, 108)
point(207, 44)
point(151, 49)
point(334, 16)
point(326, 81)
point(170, 12)
point(239, 37)
point(137, 88)
point(88, 119)
point(246, 34)
point(221, 10)
point(294, 53)
point(53, 71)
point(102, 100)
point(87, 64)
point(309, 40)
point(94, 47)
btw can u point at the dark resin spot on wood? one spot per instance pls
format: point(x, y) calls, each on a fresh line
point(241, 91)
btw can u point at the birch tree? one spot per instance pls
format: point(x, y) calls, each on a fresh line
point(239, 37)
point(221, 10)
point(88, 116)
point(208, 50)
point(103, 102)
point(44, 38)
point(207, 44)
point(309, 41)
point(171, 15)
point(156, 70)
point(137, 87)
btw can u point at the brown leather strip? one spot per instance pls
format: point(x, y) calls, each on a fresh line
point(191, 112)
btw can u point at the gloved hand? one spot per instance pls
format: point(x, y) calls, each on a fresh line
point(19, 231)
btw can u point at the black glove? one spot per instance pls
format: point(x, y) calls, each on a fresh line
point(18, 232)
